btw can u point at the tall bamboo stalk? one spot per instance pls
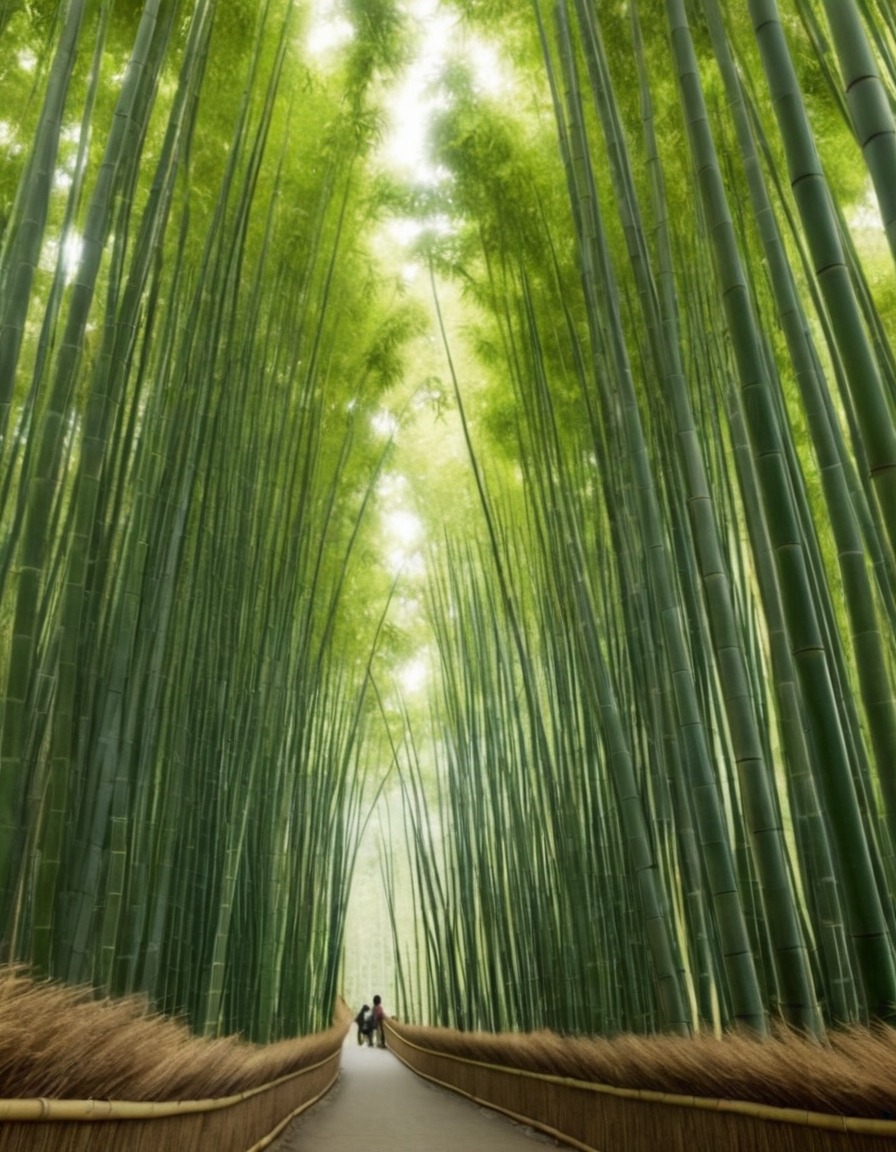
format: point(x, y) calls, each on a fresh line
point(183, 711)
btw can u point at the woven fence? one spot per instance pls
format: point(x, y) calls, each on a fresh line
point(248, 1122)
point(602, 1118)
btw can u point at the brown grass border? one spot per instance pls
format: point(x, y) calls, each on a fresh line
point(78, 1074)
point(247, 1122)
point(601, 1117)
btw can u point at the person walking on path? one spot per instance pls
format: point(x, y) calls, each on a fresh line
point(364, 1020)
point(379, 1014)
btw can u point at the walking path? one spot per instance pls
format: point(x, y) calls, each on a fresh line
point(378, 1105)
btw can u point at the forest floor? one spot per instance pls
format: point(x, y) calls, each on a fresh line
point(380, 1106)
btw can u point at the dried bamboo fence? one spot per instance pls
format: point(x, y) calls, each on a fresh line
point(603, 1118)
point(246, 1122)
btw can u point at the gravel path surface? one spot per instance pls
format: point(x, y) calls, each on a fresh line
point(377, 1105)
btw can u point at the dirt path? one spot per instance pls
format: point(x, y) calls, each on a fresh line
point(379, 1106)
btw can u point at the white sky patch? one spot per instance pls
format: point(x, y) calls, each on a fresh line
point(391, 486)
point(417, 99)
point(408, 563)
point(404, 230)
point(27, 60)
point(72, 247)
point(328, 29)
point(414, 101)
point(385, 423)
point(490, 77)
point(413, 675)
point(404, 526)
point(403, 534)
point(867, 214)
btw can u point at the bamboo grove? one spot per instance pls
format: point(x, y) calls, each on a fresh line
point(185, 467)
point(652, 786)
point(664, 725)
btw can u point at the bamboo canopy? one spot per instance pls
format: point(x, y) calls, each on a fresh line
point(633, 375)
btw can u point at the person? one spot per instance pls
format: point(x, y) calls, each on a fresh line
point(378, 1017)
point(364, 1020)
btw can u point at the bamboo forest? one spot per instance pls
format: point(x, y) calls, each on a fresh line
point(448, 510)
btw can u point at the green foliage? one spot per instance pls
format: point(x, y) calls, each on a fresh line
point(180, 766)
point(620, 354)
point(657, 579)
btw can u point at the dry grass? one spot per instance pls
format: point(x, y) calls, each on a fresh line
point(60, 1043)
point(853, 1073)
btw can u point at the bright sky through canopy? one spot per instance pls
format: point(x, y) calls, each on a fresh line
point(411, 102)
point(415, 98)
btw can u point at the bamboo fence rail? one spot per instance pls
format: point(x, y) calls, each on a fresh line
point(603, 1118)
point(247, 1122)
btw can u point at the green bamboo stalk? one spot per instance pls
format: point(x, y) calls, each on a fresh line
point(818, 870)
point(763, 815)
point(868, 928)
point(869, 106)
point(106, 393)
point(880, 20)
point(598, 269)
point(27, 222)
point(871, 661)
point(39, 491)
point(814, 203)
point(118, 360)
point(178, 675)
point(663, 950)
